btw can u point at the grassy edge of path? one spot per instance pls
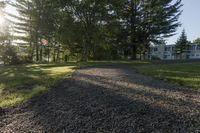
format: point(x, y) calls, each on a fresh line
point(186, 74)
point(22, 82)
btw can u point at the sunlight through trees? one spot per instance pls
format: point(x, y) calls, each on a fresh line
point(82, 30)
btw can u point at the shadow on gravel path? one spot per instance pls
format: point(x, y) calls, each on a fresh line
point(107, 99)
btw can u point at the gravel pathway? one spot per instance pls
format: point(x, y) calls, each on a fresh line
point(107, 99)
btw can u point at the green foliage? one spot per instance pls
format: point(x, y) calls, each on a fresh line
point(23, 58)
point(8, 54)
point(197, 40)
point(91, 29)
point(144, 21)
point(155, 58)
point(182, 43)
point(2, 4)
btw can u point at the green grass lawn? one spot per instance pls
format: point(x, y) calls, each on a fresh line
point(98, 63)
point(22, 82)
point(187, 74)
point(19, 83)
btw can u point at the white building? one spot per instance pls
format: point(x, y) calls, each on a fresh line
point(193, 51)
point(168, 52)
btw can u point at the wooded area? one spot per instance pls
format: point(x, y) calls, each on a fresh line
point(61, 30)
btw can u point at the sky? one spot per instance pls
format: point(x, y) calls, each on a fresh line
point(189, 19)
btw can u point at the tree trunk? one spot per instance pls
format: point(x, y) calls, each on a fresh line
point(134, 52)
point(48, 53)
point(144, 55)
point(84, 54)
point(133, 41)
point(37, 52)
point(58, 54)
point(31, 54)
point(181, 54)
point(41, 55)
point(54, 55)
point(66, 58)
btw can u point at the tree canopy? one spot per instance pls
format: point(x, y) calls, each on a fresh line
point(91, 29)
point(197, 40)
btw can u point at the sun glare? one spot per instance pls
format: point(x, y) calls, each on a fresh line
point(1, 20)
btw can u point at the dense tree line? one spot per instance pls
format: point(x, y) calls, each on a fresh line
point(7, 51)
point(91, 29)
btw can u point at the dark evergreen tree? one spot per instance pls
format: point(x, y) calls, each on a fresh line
point(146, 21)
point(182, 44)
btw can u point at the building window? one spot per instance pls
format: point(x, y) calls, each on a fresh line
point(165, 56)
point(151, 49)
point(198, 47)
point(193, 47)
point(155, 49)
point(189, 47)
point(167, 48)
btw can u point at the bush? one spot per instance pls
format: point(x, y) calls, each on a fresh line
point(155, 58)
point(23, 58)
point(8, 55)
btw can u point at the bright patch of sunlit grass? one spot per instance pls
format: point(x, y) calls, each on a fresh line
point(29, 81)
point(187, 74)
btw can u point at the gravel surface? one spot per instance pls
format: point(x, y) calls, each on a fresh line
point(107, 99)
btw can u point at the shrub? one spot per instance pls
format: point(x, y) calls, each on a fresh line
point(8, 55)
point(155, 58)
point(23, 58)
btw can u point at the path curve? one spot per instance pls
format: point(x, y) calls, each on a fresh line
point(107, 99)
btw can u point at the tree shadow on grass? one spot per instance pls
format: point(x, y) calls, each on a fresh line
point(20, 75)
point(19, 83)
point(88, 103)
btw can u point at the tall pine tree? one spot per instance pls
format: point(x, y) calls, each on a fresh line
point(147, 21)
point(181, 44)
